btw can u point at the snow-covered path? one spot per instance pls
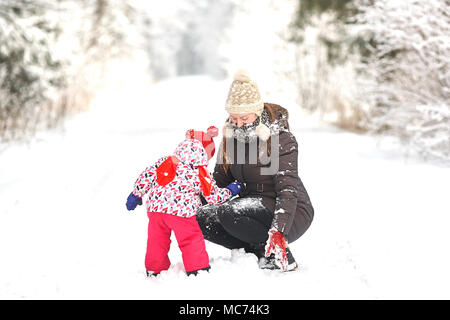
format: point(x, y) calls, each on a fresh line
point(380, 229)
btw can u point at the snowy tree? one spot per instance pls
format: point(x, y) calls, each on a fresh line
point(410, 66)
point(54, 56)
point(94, 34)
point(327, 56)
point(29, 73)
point(326, 72)
point(185, 37)
point(378, 65)
point(216, 38)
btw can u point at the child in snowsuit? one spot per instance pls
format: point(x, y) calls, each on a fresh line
point(174, 185)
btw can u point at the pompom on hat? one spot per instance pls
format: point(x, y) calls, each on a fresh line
point(244, 96)
point(206, 138)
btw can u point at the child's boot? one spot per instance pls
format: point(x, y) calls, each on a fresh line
point(151, 274)
point(195, 272)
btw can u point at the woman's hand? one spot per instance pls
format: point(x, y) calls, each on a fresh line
point(276, 244)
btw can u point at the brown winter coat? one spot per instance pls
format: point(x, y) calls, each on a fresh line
point(282, 193)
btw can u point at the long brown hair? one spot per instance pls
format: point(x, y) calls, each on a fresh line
point(226, 165)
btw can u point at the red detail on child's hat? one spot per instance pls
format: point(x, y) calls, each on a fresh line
point(167, 170)
point(190, 134)
point(212, 132)
point(205, 180)
point(205, 138)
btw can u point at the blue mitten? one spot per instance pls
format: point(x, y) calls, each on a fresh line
point(234, 187)
point(133, 201)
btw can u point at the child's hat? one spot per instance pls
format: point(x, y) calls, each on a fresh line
point(206, 138)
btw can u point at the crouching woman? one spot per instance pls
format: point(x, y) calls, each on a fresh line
point(258, 151)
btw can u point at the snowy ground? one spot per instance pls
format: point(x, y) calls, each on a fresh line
point(380, 229)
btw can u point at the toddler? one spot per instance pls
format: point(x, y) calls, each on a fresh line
point(174, 185)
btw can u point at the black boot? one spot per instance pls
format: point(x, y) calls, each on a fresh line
point(257, 249)
point(195, 272)
point(269, 262)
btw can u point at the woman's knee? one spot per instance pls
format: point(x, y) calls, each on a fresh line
point(226, 216)
point(206, 215)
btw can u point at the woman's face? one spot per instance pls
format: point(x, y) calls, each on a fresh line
point(240, 119)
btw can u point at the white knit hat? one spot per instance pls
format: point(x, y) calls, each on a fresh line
point(244, 96)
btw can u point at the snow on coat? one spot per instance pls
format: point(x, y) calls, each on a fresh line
point(180, 197)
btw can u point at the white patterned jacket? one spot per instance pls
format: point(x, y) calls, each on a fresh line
point(180, 197)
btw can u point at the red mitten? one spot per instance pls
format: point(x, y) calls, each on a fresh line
point(277, 245)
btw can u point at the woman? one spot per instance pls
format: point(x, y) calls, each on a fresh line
point(258, 151)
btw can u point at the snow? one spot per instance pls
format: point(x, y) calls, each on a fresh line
point(380, 228)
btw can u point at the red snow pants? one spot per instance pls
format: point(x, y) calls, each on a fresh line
point(189, 237)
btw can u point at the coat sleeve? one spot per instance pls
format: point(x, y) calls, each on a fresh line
point(146, 179)
point(218, 195)
point(286, 183)
point(222, 178)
